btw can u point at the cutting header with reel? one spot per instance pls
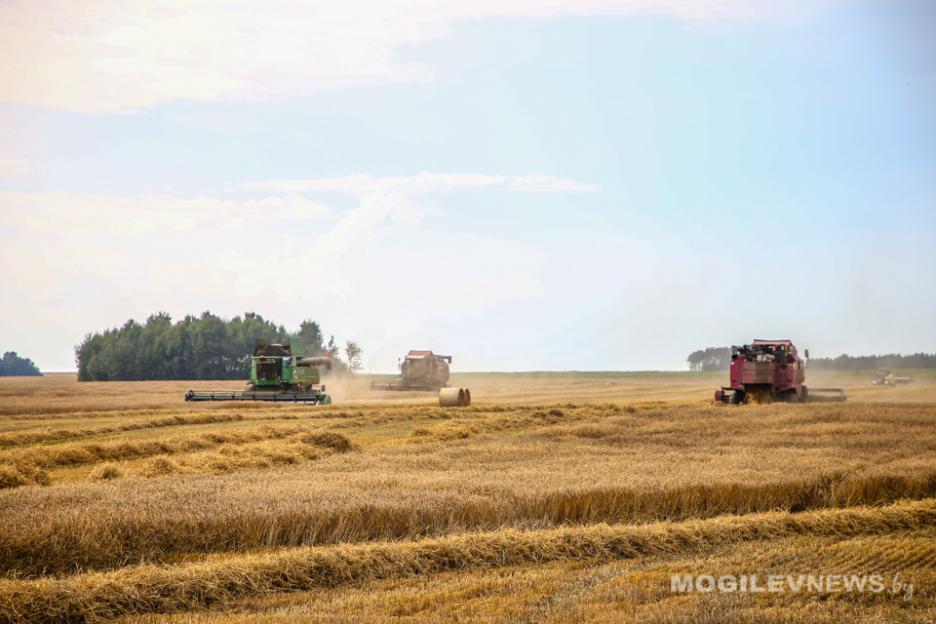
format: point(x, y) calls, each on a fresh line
point(276, 375)
point(771, 370)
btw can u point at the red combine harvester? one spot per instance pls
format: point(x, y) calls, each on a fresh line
point(771, 370)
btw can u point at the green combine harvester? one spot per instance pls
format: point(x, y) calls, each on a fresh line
point(275, 375)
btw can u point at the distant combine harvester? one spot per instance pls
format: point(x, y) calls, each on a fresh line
point(425, 371)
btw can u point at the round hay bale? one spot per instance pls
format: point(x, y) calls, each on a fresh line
point(454, 397)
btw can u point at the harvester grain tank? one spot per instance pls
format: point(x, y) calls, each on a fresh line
point(771, 370)
point(276, 375)
point(420, 371)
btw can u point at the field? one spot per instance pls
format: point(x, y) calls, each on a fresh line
point(555, 497)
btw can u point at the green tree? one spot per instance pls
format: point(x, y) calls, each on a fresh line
point(12, 365)
point(312, 339)
point(353, 353)
point(334, 352)
point(197, 347)
point(710, 359)
point(85, 353)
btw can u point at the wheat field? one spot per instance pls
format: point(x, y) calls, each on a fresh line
point(555, 497)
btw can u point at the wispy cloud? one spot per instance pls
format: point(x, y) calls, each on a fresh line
point(47, 211)
point(116, 56)
point(399, 199)
point(104, 257)
point(424, 183)
point(12, 164)
point(13, 161)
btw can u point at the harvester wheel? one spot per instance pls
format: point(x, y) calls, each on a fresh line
point(738, 397)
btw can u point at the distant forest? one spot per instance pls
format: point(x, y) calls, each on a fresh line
point(203, 347)
point(12, 365)
point(719, 358)
point(710, 359)
point(874, 362)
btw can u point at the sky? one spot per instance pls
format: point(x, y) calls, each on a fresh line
point(526, 185)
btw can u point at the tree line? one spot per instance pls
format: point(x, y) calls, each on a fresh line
point(197, 347)
point(874, 362)
point(12, 365)
point(710, 359)
point(719, 358)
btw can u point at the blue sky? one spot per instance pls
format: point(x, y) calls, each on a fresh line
point(590, 185)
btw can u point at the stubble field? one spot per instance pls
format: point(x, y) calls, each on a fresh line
point(554, 498)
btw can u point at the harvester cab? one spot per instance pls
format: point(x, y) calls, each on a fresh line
point(770, 370)
point(276, 375)
point(269, 363)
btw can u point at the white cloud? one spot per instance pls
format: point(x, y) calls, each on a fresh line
point(402, 201)
point(509, 285)
point(12, 164)
point(380, 200)
point(89, 261)
point(397, 199)
point(75, 212)
point(117, 56)
point(424, 183)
